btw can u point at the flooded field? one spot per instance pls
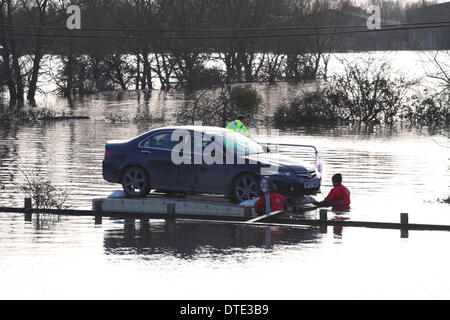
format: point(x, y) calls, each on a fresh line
point(74, 259)
point(389, 171)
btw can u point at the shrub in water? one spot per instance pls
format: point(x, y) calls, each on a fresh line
point(363, 94)
point(245, 101)
point(42, 191)
point(310, 108)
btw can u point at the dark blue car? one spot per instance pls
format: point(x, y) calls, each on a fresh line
point(203, 160)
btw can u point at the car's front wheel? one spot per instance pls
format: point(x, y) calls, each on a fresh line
point(246, 187)
point(135, 182)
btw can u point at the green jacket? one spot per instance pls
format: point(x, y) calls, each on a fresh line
point(238, 126)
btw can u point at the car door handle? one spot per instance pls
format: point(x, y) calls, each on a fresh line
point(146, 152)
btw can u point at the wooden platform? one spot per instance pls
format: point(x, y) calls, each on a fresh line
point(154, 203)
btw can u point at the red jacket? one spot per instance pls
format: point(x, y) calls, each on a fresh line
point(339, 197)
point(277, 203)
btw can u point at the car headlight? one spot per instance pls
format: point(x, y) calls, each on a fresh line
point(318, 175)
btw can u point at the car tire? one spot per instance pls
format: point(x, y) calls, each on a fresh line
point(135, 182)
point(246, 187)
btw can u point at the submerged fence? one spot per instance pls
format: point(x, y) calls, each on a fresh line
point(269, 220)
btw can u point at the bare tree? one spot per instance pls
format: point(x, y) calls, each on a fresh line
point(440, 61)
point(11, 65)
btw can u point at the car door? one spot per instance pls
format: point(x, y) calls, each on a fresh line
point(187, 177)
point(156, 153)
point(209, 177)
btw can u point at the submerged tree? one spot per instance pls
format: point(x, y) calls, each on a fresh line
point(11, 67)
point(365, 93)
point(368, 93)
point(221, 106)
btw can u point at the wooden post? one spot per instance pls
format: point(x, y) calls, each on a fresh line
point(170, 221)
point(171, 209)
point(144, 230)
point(248, 212)
point(129, 228)
point(267, 198)
point(144, 222)
point(404, 221)
point(98, 212)
point(268, 238)
point(98, 220)
point(323, 216)
point(28, 208)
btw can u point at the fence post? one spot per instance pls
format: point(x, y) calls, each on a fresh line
point(248, 212)
point(129, 228)
point(323, 217)
point(171, 209)
point(144, 222)
point(28, 208)
point(268, 238)
point(170, 221)
point(267, 198)
point(98, 211)
point(404, 221)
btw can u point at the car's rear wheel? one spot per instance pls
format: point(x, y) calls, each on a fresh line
point(246, 187)
point(135, 182)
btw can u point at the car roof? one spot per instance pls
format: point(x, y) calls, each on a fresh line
point(194, 128)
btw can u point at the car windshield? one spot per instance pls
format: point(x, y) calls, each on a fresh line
point(238, 142)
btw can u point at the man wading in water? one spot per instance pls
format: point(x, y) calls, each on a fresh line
point(339, 196)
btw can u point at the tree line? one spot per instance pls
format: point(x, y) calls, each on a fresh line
point(128, 44)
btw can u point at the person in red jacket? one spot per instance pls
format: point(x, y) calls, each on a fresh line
point(277, 203)
point(339, 196)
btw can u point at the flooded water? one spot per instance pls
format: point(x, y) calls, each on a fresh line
point(389, 171)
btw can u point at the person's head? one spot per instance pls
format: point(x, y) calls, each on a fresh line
point(240, 118)
point(337, 179)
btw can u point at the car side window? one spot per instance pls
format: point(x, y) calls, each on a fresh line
point(201, 142)
point(160, 141)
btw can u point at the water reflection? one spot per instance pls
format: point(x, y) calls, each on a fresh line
point(338, 230)
point(47, 222)
point(191, 240)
